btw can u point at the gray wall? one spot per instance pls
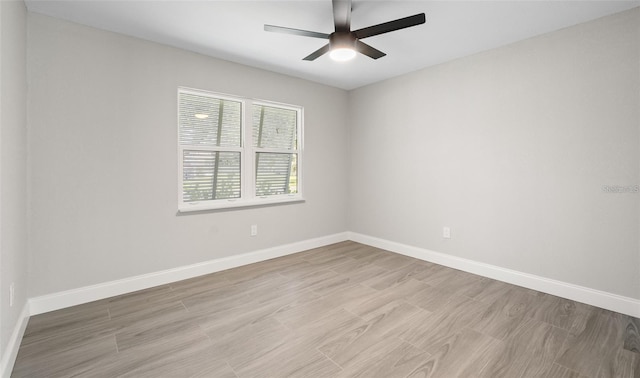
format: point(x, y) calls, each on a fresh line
point(13, 164)
point(511, 148)
point(103, 158)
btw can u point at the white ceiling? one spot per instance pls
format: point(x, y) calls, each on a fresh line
point(233, 30)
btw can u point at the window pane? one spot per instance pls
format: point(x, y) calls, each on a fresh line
point(210, 175)
point(274, 127)
point(208, 121)
point(276, 174)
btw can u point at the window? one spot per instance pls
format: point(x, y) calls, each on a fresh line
point(237, 152)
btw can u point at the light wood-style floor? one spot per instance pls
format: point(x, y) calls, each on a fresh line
point(346, 310)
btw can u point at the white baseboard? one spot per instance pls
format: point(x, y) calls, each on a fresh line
point(602, 299)
point(609, 301)
point(11, 352)
point(55, 301)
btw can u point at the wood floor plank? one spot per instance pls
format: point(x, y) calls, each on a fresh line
point(632, 334)
point(459, 282)
point(541, 344)
point(560, 312)
point(293, 288)
point(267, 348)
point(343, 280)
point(70, 338)
point(489, 291)
point(159, 332)
point(299, 270)
point(327, 257)
point(327, 329)
point(183, 357)
point(231, 320)
point(431, 298)
point(260, 271)
point(358, 259)
point(80, 359)
point(225, 298)
point(374, 338)
point(559, 371)
point(202, 283)
point(623, 364)
point(298, 316)
point(595, 345)
point(65, 320)
point(248, 344)
point(396, 277)
point(429, 331)
point(138, 314)
point(398, 363)
point(434, 275)
point(365, 253)
point(131, 302)
point(330, 261)
point(291, 353)
point(529, 351)
point(462, 354)
point(393, 261)
point(505, 314)
point(299, 356)
point(290, 360)
point(377, 303)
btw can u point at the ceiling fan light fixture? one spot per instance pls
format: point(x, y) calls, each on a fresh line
point(342, 54)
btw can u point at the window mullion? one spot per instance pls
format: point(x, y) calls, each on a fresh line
point(248, 163)
point(216, 168)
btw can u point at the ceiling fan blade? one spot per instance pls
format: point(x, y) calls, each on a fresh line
point(342, 15)
point(390, 26)
point(368, 50)
point(318, 53)
point(304, 33)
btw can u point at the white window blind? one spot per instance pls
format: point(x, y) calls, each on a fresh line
point(210, 175)
point(227, 162)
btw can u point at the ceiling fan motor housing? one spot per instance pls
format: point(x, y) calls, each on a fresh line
point(342, 40)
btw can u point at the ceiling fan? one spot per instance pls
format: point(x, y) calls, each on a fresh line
point(343, 42)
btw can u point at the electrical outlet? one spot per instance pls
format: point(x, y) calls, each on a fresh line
point(446, 232)
point(12, 291)
point(254, 230)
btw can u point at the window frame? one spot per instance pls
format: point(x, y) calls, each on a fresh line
point(248, 153)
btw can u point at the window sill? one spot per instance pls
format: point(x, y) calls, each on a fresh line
point(238, 204)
